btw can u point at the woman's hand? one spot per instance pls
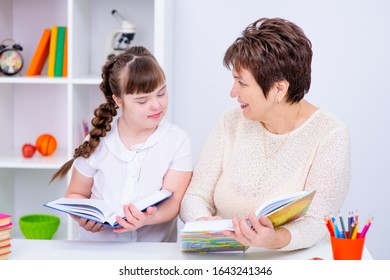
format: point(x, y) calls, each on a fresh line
point(88, 225)
point(135, 219)
point(259, 233)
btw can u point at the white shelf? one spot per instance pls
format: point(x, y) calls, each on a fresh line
point(33, 80)
point(87, 80)
point(44, 80)
point(30, 106)
point(16, 160)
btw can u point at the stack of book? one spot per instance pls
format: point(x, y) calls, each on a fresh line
point(52, 47)
point(5, 235)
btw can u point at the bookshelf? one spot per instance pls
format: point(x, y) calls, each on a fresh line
point(30, 106)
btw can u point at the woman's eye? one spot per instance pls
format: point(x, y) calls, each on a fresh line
point(161, 93)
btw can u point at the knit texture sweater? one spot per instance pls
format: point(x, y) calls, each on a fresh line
point(242, 165)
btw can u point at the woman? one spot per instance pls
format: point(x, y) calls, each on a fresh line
point(131, 156)
point(275, 143)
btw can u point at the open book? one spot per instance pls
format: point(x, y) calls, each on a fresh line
point(206, 236)
point(100, 211)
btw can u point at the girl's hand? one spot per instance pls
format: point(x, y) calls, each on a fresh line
point(258, 233)
point(89, 225)
point(134, 218)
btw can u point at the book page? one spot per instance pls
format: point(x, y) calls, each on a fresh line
point(291, 211)
point(278, 202)
point(100, 211)
point(93, 209)
point(208, 225)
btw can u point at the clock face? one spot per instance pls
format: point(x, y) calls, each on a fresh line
point(11, 62)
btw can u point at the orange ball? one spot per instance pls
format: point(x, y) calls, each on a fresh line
point(46, 144)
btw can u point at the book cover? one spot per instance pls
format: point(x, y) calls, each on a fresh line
point(4, 256)
point(52, 51)
point(209, 241)
point(5, 241)
point(5, 234)
point(59, 57)
point(5, 219)
point(5, 249)
point(294, 208)
point(205, 235)
point(6, 226)
point(65, 60)
point(40, 56)
point(100, 211)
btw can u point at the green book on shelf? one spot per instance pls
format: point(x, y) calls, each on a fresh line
point(60, 47)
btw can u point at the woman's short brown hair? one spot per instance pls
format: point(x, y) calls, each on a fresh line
point(274, 50)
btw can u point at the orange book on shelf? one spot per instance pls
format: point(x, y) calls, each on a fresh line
point(40, 56)
point(65, 63)
point(52, 51)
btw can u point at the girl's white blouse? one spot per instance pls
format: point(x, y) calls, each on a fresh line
point(122, 175)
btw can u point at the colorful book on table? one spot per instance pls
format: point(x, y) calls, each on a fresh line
point(5, 235)
point(197, 240)
point(207, 235)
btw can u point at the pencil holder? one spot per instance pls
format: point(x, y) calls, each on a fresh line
point(347, 249)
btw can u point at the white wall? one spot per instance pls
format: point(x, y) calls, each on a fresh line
point(350, 38)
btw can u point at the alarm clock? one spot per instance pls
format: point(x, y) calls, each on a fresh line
point(11, 59)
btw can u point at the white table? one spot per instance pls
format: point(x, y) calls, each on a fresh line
point(25, 249)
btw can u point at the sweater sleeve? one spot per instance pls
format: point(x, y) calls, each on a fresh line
point(330, 175)
point(198, 200)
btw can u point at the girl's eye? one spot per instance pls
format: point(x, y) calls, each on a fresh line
point(161, 93)
point(141, 102)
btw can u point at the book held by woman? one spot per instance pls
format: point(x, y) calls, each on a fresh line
point(206, 235)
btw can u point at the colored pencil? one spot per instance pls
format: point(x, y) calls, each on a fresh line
point(342, 226)
point(365, 229)
point(349, 225)
point(330, 229)
point(355, 230)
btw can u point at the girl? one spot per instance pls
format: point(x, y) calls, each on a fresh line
point(128, 157)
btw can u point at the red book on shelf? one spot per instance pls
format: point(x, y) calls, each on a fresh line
point(40, 55)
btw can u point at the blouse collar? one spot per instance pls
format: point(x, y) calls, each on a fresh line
point(116, 146)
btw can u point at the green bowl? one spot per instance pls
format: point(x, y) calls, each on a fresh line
point(39, 226)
